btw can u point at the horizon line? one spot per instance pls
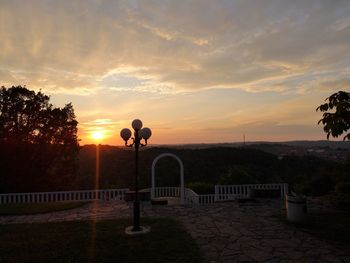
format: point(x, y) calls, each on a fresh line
point(219, 143)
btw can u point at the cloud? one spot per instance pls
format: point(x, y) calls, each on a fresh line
point(70, 46)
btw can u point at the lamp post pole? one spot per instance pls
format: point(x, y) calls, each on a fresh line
point(139, 134)
point(137, 203)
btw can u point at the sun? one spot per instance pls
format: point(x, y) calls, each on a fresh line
point(97, 135)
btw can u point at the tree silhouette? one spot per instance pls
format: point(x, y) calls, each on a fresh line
point(38, 142)
point(336, 114)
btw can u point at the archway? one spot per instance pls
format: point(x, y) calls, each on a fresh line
point(182, 183)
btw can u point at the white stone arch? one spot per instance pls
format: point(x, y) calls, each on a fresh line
point(182, 183)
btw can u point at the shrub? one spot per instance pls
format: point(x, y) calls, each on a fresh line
point(343, 187)
point(237, 174)
point(201, 187)
point(314, 185)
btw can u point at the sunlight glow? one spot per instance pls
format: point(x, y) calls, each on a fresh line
point(97, 135)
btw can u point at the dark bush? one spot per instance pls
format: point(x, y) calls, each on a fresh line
point(313, 185)
point(238, 174)
point(343, 187)
point(201, 188)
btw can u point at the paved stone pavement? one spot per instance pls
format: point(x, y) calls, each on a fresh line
point(225, 232)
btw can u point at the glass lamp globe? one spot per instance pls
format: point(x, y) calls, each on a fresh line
point(125, 134)
point(146, 133)
point(136, 124)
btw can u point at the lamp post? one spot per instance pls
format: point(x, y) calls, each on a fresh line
point(139, 134)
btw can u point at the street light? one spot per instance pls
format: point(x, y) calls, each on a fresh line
point(139, 134)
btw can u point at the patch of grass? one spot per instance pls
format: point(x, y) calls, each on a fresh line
point(97, 241)
point(37, 208)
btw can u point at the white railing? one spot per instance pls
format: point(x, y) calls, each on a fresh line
point(194, 199)
point(222, 193)
point(63, 196)
point(191, 197)
point(167, 192)
point(206, 199)
point(230, 192)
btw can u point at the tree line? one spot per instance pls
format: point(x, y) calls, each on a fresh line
point(39, 151)
point(216, 165)
point(38, 142)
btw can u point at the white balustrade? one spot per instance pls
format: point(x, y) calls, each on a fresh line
point(191, 197)
point(206, 199)
point(227, 192)
point(64, 196)
point(167, 191)
point(222, 193)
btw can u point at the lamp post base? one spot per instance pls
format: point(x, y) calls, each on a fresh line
point(142, 230)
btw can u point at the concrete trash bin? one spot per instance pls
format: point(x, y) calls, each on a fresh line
point(296, 208)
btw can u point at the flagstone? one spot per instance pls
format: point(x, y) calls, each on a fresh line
point(225, 232)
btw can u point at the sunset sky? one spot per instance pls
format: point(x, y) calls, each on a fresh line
point(193, 71)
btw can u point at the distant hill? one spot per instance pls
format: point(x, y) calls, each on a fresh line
point(305, 144)
point(314, 167)
point(324, 143)
point(337, 151)
point(208, 164)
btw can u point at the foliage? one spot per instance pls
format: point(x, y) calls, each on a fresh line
point(201, 188)
point(343, 187)
point(38, 142)
point(237, 174)
point(338, 122)
point(200, 165)
point(208, 167)
point(26, 116)
point(204, 167)
point(315, 184)
point(97, 241)
point(310, 175)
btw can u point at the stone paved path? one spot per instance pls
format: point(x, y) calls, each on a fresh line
point(225, 232)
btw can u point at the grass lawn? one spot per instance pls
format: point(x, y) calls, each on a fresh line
point(100, 241)
point(37, 208)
